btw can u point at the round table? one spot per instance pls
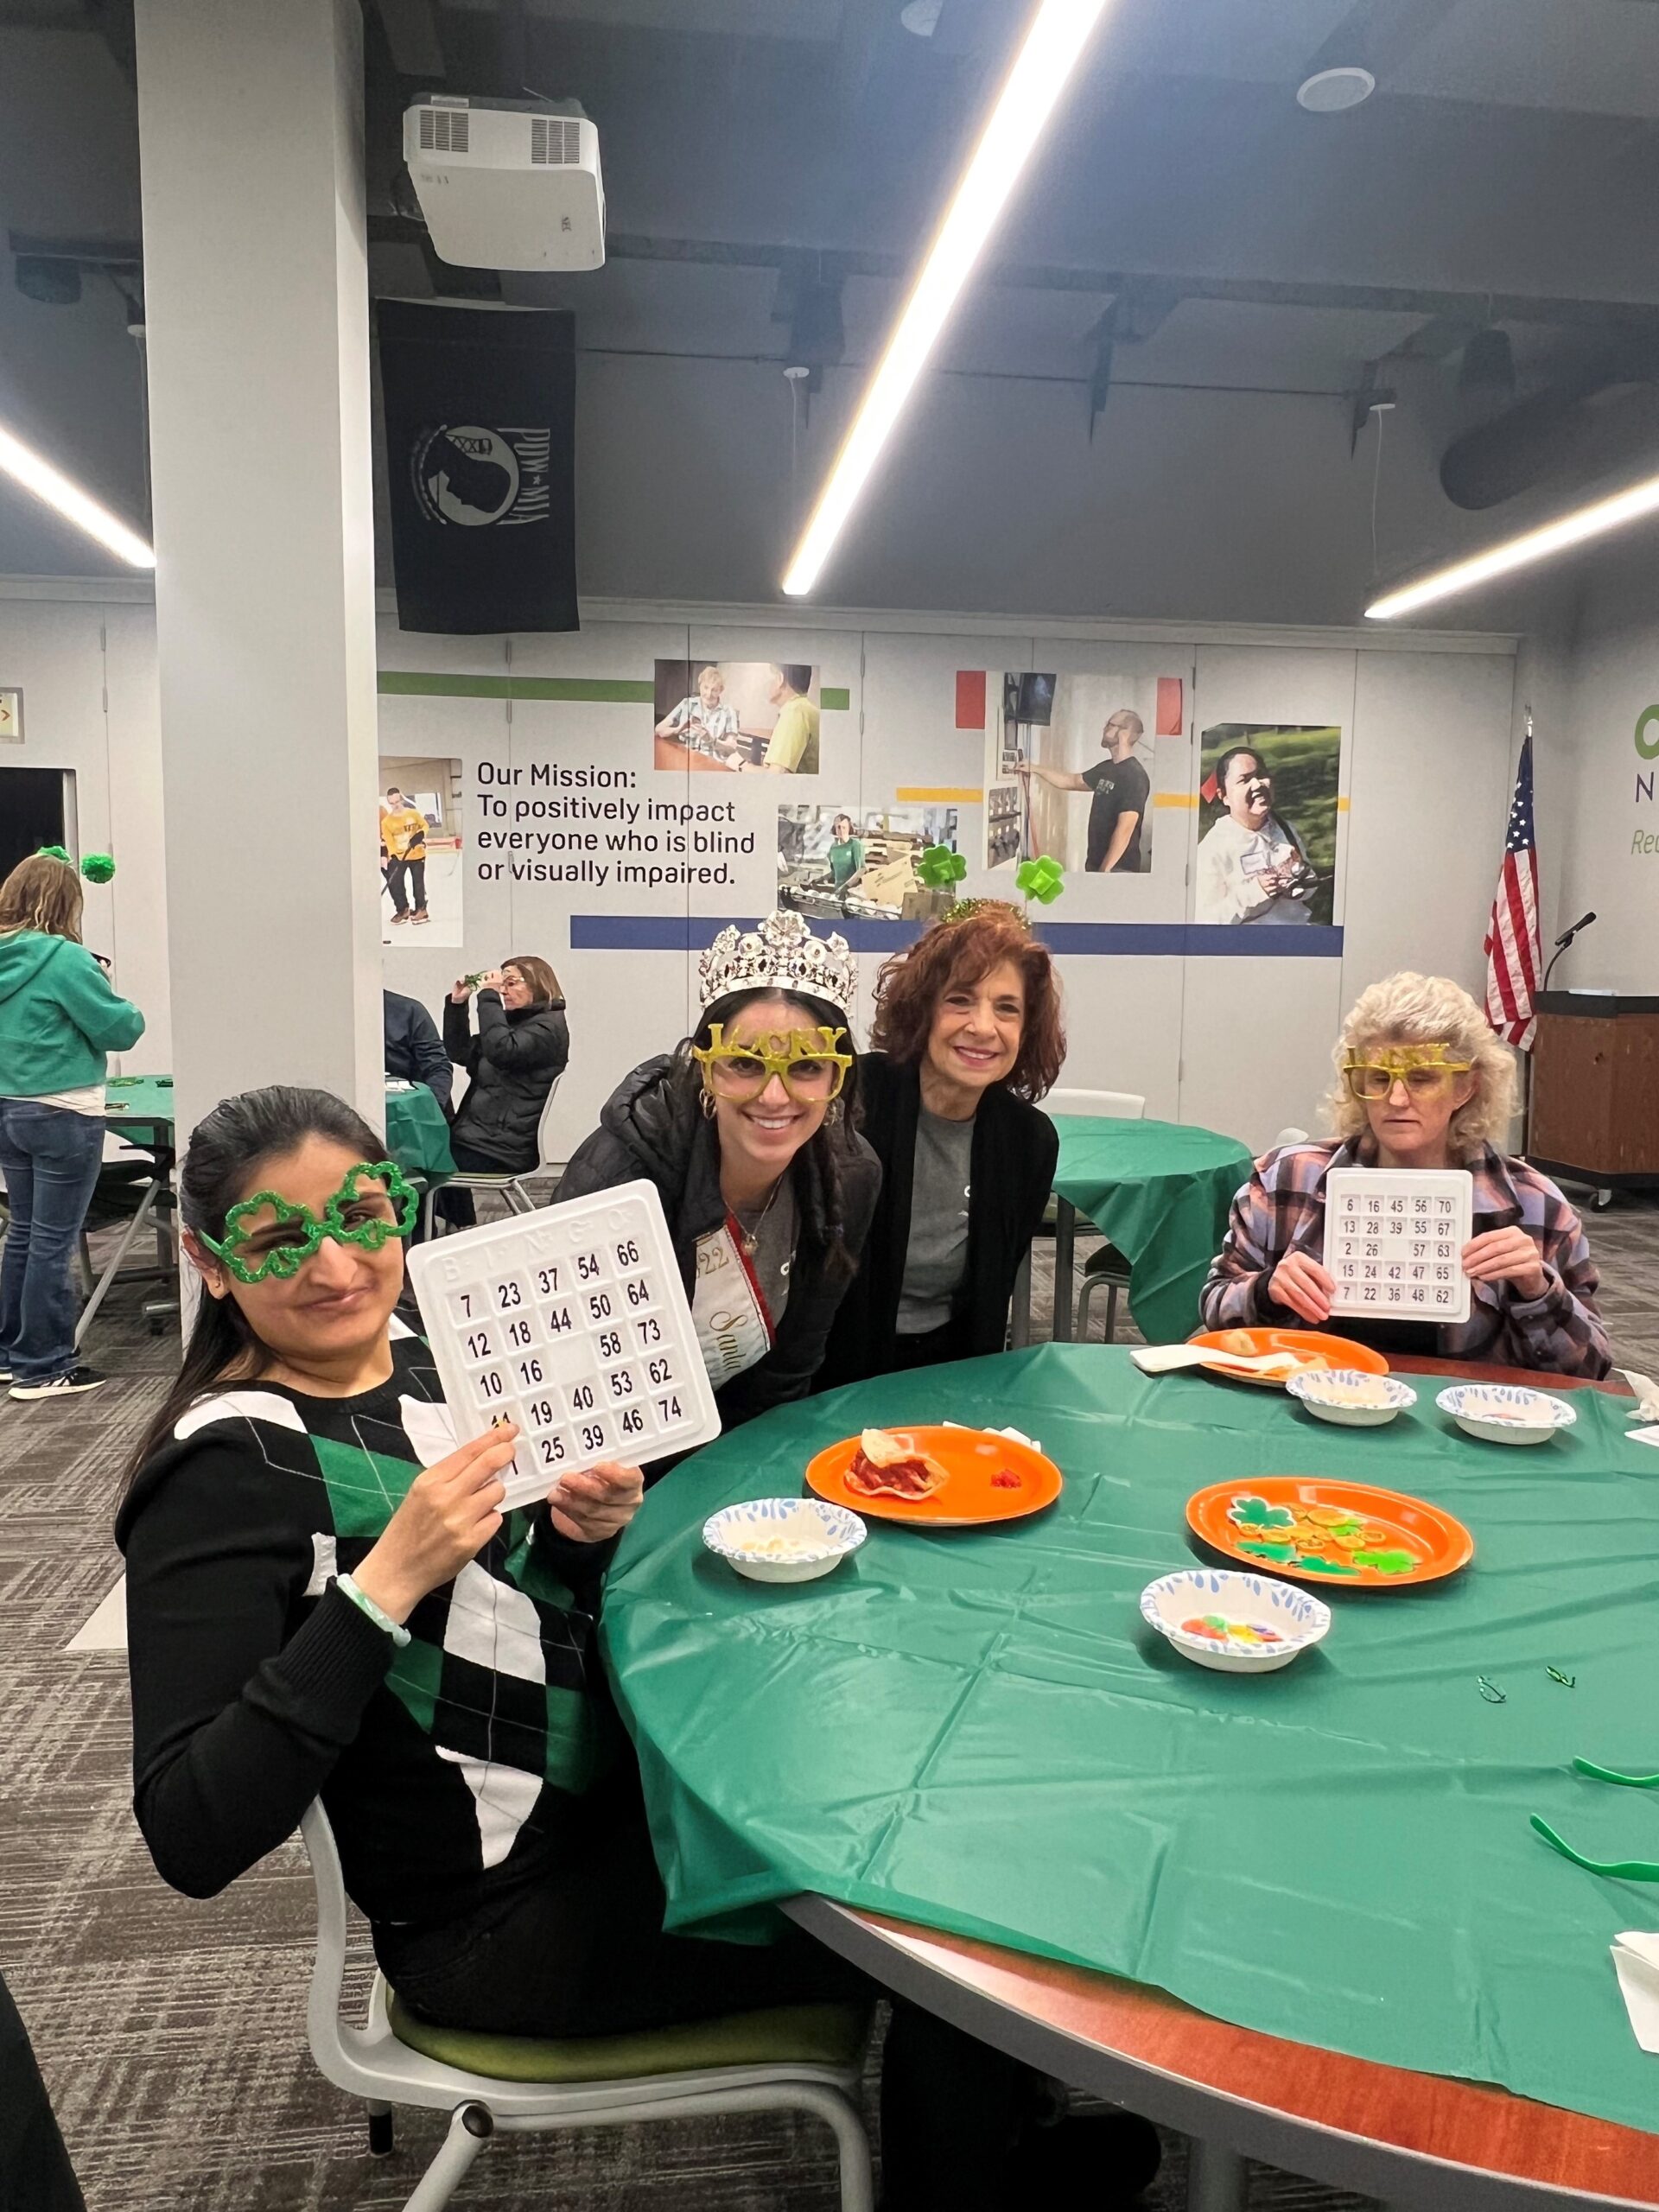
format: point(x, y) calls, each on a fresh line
point(1160, 1191)
point(717, 1678)
point(417, 1132)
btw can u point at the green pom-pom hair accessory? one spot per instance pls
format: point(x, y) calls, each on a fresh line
point(97, 867)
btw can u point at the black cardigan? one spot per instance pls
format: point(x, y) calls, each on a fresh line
point(651, 1125)
point(1011, 1168)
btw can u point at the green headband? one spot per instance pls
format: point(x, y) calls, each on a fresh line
point(286, 1258)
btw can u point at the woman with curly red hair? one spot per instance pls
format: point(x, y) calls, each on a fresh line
point(968, 1035)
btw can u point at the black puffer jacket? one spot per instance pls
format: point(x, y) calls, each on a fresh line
point(651, 1126)
point(511, 1065)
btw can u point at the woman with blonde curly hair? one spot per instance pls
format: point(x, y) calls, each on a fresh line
point(1421, 1082)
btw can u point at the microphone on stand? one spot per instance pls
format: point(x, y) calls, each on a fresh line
point(1564, 940)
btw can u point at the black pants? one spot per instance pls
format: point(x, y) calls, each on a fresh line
point(929, 1348)
point(35, 2170)
point(580, 1951)
point(415, 872)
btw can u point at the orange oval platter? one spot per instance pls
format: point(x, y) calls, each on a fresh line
point(1317, 1351)
point(1351, 1535)
point(970, 1496)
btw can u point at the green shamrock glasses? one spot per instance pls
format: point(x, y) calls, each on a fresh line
point(268, 1235)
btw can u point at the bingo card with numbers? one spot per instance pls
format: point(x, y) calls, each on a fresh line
point(572, 1321)
point(1392, 1239)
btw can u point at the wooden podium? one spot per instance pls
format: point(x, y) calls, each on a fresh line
point(1594, 1114)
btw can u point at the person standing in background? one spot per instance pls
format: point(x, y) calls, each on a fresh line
point(414, 1050)
point(59, 1017)
point(521, 1051)
point(1121, 792)
point(402, 832)
point(792, 747)
point(846, 854)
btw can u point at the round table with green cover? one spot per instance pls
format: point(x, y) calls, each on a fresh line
point(974, 1729)
point(1160, 1191)
point(416, 1132)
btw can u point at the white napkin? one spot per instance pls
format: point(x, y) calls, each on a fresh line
point(1636, 1962)
point(1642, 1435)
point(1164, 1359)
point(1647, 1396)
point(1030, 1441)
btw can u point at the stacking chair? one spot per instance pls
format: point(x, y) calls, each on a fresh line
point(1107, 1268)
point(511, 1187)
point(800, 2058)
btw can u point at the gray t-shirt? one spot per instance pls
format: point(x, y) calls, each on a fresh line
point(774, 1249)
point(937, 1250)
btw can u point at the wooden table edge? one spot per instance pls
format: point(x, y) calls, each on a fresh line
point(1321, 2132)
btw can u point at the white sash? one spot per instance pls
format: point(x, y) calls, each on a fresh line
point(734, 1330)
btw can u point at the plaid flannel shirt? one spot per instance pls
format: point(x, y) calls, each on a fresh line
point(1281, 1209)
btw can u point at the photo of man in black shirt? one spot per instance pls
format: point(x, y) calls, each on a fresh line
point(1122, 794)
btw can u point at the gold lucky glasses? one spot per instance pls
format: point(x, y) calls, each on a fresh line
point(805, 1061)
point(1424, 1068)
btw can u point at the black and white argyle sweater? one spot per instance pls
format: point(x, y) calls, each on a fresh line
point(256, 1684)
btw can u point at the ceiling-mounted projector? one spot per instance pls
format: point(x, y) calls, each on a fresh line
point(507, 184)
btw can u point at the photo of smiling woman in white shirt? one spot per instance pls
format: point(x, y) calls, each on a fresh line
point(1252, 866)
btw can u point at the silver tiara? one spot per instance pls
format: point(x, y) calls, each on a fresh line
point(779, 954)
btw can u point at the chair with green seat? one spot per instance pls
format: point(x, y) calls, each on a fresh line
point(798, 2058)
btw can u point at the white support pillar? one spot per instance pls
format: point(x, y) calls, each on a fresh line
point(258, 328)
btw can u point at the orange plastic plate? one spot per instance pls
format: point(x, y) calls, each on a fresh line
point(1438, 1545)
point(1315, 1351)
point(969, 1497)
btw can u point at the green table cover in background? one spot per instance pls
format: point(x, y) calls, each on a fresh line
point(416, 1130)
point(417, 1133)
point(144, 1105)
point(975, 1729)
point(1160, 1191)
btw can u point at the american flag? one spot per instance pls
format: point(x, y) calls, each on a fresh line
point(1513, 954)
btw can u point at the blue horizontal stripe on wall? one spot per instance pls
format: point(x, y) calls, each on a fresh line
point(1142, 940)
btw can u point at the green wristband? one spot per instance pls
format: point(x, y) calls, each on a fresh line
point(365, 1603)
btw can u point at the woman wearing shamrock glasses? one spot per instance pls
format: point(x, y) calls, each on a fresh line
point(745, 1130)
point(1422, 1082)
point(325, 1598)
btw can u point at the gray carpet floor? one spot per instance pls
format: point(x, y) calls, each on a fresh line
point(172, 2033)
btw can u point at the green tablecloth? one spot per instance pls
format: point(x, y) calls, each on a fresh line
point(974, 1731)
point(416, 1128)
point(143, 1104)
point(1160, 1191)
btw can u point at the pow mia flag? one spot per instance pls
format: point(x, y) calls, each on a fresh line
point(480, 463)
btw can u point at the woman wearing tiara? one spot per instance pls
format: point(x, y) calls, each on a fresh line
point(746, 1130)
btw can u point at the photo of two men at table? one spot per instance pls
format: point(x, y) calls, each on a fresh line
point(758, 717)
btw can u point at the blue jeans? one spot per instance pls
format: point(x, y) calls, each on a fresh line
point(50, 1160)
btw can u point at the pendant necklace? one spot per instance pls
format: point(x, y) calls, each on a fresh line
point(747, 1237)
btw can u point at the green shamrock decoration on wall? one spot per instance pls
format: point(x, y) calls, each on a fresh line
point(1043, 879)
point(939, 867)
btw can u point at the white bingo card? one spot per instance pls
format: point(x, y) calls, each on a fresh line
point(572, 1321)
point(1392, 1237)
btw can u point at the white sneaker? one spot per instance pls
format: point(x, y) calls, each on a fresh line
point(61, 1386)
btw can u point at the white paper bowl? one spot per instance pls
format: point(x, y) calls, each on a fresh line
point(1313, 1390)
point(751, 1537)
point(1297, 1617)
point(1465, 1402)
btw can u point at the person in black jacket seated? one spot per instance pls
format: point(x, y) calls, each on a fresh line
point(521, 1051)
point(746, 1130)
point(325, 1599)
point(414, 1050)
point(968, 1033)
